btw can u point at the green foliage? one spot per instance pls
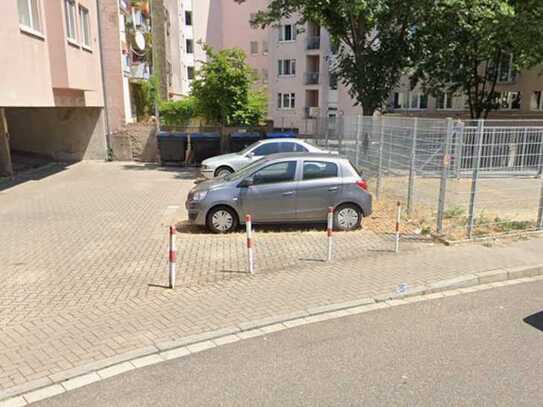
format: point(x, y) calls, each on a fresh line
point(178, 112)
point(454, 212)
point(145, 93)
point(378, 39)
point(466, 40)
point(223, 87)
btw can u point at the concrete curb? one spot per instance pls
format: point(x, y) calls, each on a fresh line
point(74, 378)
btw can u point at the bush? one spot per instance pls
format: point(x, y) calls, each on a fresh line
point(177, 112)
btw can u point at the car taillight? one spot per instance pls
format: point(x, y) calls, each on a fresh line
point(362, 184)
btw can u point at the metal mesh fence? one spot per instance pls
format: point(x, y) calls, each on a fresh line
point(461, 179)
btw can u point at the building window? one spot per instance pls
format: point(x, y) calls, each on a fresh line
point(286, 100)
point(286, 67)
point(537, 100)
point(190, 46)
point(264, 75)
point(84, 22)
point(29, 14)
point(188, 17)
point(190, 73)
point(69, 10)
point(265, 49)
point(450, 101)
point(506, 72)
point(254, 47)
point(418, 101)
point(287, 32)
point(508, 100)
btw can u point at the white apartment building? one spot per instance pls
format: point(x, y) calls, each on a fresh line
point(292, 62)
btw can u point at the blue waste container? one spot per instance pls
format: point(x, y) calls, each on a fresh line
point(280, 134)
point(204, 145)
point(172, 147)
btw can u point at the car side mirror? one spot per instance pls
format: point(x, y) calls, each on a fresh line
point(250, 155)
point(246, 183)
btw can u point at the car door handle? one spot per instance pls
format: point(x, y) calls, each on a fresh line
point(289, 193)
point(332, 189)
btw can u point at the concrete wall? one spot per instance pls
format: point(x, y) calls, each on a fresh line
point(62, 133)
point(113, 75)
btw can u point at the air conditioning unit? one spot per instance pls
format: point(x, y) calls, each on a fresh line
point(314, 112)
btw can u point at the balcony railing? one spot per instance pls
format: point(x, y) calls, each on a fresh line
point(312, 78)
point(313, 43)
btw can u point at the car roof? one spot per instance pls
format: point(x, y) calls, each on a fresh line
point(281, 139)
point(297, 155)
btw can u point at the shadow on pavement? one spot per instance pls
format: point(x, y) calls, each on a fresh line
point(32, 174)
point(180, 172)
point(535, 320)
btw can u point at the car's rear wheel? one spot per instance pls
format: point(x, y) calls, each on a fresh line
point(347, 217)
point(222, 220)
point(223, 171)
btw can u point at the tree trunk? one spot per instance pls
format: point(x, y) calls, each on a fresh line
point(6, 167)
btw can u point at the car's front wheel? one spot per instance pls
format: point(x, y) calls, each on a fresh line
point(347, 217)
point(223, 171)
point(222, 220)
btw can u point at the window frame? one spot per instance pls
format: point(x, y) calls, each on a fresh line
point(70, 10)
point(538, 99)
point(190, 73)
point(295, 162)
point(319, 162)
point(189, 49)
point(253, 47)
point(283, 32)
point(282, 65)
point(290, 97)
point(84, 22)
point(277, 143)
point(33, 7)
point(188, 18)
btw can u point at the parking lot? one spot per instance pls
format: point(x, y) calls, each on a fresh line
point(97, 232)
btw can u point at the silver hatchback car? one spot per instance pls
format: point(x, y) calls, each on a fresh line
point(226, 164)
point(283, 188)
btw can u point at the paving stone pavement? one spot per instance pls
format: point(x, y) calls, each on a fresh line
point(82, 265)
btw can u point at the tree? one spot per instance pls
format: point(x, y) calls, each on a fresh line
point(469, 45)
point(225, 91)
point(376, 37)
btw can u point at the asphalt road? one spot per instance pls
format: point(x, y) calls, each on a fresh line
point(467, 350)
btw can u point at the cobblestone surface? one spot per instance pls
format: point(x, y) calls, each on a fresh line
point(82, 269)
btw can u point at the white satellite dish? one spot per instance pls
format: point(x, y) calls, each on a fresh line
point(139, 39)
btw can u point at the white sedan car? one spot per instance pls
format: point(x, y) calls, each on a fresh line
point(225, 164)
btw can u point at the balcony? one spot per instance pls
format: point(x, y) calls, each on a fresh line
point(312, 78)
point(313, 43)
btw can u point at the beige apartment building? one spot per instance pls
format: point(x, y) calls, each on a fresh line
point(50, 86)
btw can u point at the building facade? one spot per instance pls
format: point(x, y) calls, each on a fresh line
point(51, 88)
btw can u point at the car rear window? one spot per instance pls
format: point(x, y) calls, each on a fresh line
point(319, 170)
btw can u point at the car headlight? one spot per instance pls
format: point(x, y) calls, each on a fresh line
point(199, 196)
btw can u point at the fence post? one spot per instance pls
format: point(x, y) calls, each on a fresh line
point(326, 121)
point(250, 256)
point(412, 167)
point(397, 228)
point(475, 176)
point(172, 258)
point(357, 148)
point(444, 176)
point(459, 148)
point(329, 232)
point(380, 159)
point(540, 213)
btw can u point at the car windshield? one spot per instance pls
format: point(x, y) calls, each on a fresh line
point(248, 148)
point(244, 171)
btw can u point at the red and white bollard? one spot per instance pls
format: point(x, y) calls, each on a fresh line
point(172, 257)
point(250, 256)
point(329, 231)
point(398, 218)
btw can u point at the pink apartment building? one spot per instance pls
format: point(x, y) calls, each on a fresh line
point(50, 86)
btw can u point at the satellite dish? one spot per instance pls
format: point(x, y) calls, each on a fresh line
point(139, 39)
